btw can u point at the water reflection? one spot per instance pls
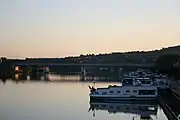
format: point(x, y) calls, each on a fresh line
point(24, 77)
point(16, 76)
point(59, 101)
point(4, 80)
point(55, 77)
point(19, 76)
point(144, 110)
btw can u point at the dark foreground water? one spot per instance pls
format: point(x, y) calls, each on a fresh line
point(65, 101)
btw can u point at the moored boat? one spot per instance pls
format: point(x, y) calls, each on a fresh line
point(130, 90)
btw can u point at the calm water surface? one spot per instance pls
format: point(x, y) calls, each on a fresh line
point(63, 101)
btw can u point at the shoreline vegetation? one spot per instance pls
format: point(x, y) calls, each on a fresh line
point(165, 60)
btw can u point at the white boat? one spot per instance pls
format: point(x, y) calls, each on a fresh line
point(130, 90)
point(149, 78)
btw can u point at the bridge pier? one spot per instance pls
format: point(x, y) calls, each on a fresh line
point(120, 74)
point(34, 72)
point(46, 72)
point(3, 69)
point(83, 73)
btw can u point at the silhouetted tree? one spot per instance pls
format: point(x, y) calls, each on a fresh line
point(166, 64)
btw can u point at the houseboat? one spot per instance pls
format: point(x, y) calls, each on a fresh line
point(131, 89)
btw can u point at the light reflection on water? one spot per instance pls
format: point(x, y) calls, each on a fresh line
point(64, 77)
point(60, 77)
point(64, 101)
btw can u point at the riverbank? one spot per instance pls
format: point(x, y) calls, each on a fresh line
point(169, 102)
point(175, 87)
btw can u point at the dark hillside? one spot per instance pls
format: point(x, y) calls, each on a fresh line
point(136, 57)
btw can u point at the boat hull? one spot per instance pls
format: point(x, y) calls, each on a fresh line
point(114, 99)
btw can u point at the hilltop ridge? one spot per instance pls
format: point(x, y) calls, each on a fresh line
point(136, 57)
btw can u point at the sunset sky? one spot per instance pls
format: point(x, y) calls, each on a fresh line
point(58, 28)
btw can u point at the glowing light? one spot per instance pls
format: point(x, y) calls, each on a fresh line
point(17, 68)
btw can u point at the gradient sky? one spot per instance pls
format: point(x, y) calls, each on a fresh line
point(58, 28)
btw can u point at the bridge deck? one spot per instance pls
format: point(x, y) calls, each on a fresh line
point(80, 64)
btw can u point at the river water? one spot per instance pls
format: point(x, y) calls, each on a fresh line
point(66, 100)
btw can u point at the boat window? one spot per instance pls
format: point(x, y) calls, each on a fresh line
point(146, 82)
point(118, 91)
point(104, 93)
point(111, 92)
point(117, 107)
point(96, 92)
point(146, 92)
point(135, 91)
point(127, 91)
point(111, 107)
point(96, 105)
point(104, 106)
point(143, 108)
